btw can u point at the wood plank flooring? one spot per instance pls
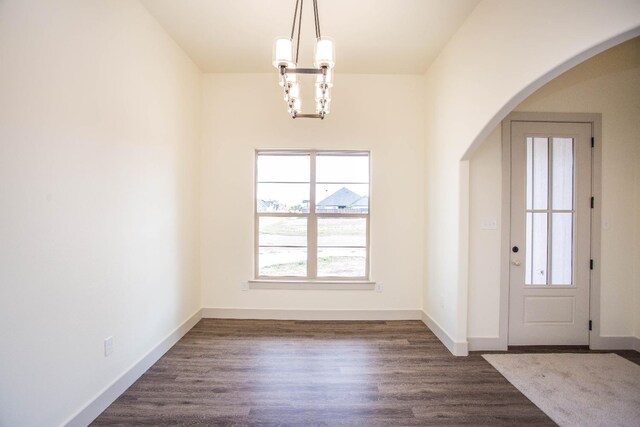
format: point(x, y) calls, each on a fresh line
point(251, 372)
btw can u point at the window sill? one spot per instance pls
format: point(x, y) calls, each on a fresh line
point(333, 285)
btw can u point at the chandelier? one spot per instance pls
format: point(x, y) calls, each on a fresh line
point(283, 60)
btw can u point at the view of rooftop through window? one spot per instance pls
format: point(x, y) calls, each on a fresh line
point(342, 183)
point(312, 214)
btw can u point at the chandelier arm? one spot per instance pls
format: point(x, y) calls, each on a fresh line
point(295, 14)
point(316, 18)
point(299, 30)
point(305, 71)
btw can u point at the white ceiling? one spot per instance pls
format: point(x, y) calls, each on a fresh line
point(371, 36)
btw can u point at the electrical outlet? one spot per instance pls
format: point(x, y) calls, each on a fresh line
point(108, 346)
point(379, 287)
point(441, 301)
point(244, 286)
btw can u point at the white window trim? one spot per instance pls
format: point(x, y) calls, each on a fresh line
point(334, 285)
point(311, 281)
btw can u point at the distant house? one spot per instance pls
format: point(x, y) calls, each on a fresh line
point(341, 199)
point(362, 202)
point(344, 199)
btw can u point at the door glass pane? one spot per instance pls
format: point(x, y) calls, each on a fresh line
point(283, 168)
point(277, 231)
point(282, 198)
point(341, 262)
point(536, 244)
point(342, 198)
point(537, 172)
point(562, 192)
point(273, 261)
point(342, 232)
point(561, 248)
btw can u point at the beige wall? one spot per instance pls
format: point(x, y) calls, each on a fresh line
point(505, 50)
point(609, 84)
point(382, 114)
point(99, 132)
point(485, 194)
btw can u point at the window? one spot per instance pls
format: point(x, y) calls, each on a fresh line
point(312, 215)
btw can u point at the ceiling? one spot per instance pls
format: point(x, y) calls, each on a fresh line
point(371, 36)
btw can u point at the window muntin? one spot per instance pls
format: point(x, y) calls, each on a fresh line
point(550, 211)
point(307, 228)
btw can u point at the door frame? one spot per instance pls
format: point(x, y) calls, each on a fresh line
point(595, 119)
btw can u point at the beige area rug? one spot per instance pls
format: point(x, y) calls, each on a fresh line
point(576, 389)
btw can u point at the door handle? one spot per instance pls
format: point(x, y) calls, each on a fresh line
point(515, 262)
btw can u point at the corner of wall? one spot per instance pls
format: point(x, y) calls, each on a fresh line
point(457, 348)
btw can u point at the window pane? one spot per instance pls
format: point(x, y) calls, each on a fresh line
point(276, 231)
point(561, 248)
point(342, 168)
point(282, 262)
point(283, 168)
point(537, 173)
point(342, 262)
point(342, 232)
point(536, 243)
point(283, 198)
point(562, 173)
point(344, 198)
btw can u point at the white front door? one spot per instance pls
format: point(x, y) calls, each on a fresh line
point(549, 275)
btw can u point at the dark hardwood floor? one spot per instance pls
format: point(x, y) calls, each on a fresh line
point(251, 372)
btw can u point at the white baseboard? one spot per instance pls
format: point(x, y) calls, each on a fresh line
point(271, 314)
point(456, 348)
point(597, 343)
point(486, 344)
point(107, 396)
point(615, 343)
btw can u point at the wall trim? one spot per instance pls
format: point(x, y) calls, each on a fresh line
point(486, 344)
point(610, 342)
point(107, 396)
point(274, 314)
point(457, 348)
point(597, 343)
point(306, 285)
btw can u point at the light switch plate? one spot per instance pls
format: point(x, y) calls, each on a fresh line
point(108, 346)
point(489, 224)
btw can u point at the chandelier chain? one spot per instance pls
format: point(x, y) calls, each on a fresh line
point(299, 30)
point(295, 14)
point(317, 19)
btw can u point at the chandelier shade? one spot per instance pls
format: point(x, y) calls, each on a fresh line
point(294, 91)
point(283, 53)
point(285, 58)
point(324, 53)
